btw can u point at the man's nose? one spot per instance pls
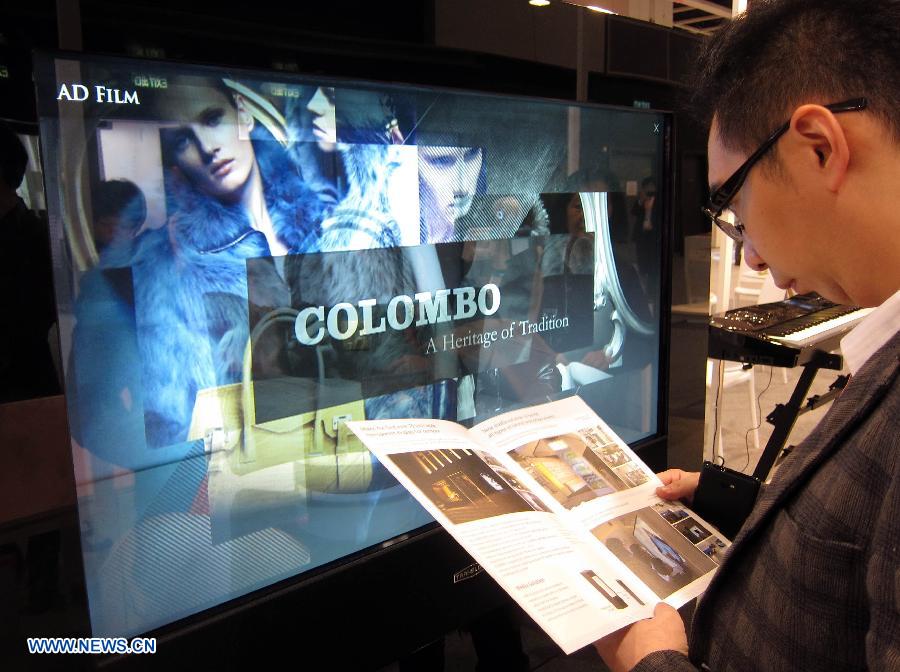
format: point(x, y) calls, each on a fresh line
point(751, 256)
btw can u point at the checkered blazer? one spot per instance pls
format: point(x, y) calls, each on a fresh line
point(812, 581)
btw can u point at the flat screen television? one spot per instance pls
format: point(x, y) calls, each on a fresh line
point(246, 260)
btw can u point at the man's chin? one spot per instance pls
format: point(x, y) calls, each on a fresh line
point(833, 294)
point(797, 287)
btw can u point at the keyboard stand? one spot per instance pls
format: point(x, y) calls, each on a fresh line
point(784, 416)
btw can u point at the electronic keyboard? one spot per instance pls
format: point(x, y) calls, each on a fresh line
point(784, 333)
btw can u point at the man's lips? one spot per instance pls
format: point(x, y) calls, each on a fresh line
point(784, 284)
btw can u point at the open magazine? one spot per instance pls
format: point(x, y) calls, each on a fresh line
point(558, 510)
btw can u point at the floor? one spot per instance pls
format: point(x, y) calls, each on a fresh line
point(771, 389)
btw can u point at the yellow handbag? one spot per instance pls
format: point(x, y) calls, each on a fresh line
point(326, 456)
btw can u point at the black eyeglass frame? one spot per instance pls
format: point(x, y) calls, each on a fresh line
point(721, 197)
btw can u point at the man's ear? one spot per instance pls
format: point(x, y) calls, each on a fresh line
point(822, 143)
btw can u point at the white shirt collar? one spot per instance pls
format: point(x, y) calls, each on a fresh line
point(871, 333)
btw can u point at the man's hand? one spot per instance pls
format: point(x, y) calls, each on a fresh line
point(678, 484)
point(625, 648)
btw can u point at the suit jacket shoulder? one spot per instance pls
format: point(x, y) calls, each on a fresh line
point(797, 588)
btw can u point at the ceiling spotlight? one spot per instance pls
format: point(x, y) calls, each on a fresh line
point(594, 8)
point(539, 3)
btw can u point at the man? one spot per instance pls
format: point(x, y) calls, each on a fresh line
point(27, 308)
point(812, 581)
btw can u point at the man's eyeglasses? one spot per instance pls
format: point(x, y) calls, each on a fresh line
point(721, 197)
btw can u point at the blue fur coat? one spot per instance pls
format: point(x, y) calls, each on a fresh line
point(190, 288)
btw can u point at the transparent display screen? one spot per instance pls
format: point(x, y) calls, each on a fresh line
point(245, 261)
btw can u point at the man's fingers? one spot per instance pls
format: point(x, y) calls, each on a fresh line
point(678, 484)
point(670, 475)
point(666, 611)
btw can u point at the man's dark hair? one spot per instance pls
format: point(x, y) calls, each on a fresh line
point(121, 199)
point(13, 157)
point(781, 54)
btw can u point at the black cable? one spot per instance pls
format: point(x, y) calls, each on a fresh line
point(759, 415)
point(720, 380)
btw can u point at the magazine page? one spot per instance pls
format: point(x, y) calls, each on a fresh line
point(571, 455)
point(586, 474)
point(573, 587)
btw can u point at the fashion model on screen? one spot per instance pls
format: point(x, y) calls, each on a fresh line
point(232, 193)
